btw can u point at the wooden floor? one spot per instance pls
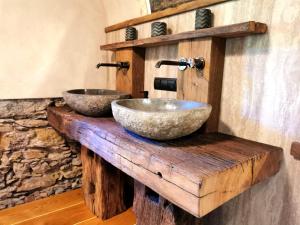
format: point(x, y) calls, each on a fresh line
point(63, 209)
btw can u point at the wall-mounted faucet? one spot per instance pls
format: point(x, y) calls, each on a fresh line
point(171, 63)
point(118, 65)
point(184, 63)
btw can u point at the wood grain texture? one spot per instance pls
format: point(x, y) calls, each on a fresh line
point(197, 173)
point(41, 207)
point(68, 216)
point(152, 209)
point(152, 56)
point(206, 85)
point(104, 186)
point(230, 31)
point(67, 208)
point(295, 150)
point(132, 80)
point(164, 13)
point(126, 218)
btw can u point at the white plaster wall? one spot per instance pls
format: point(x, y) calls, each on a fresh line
point(47, 46)
point(120, 10)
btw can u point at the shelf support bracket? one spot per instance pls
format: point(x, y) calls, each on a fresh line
point(132, 80)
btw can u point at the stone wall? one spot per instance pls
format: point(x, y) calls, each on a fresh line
point(35, 160)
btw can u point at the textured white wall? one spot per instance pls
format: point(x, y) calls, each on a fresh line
point(120, 10)
point(47, 46)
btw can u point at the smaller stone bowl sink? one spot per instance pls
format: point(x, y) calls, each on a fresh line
point(160, 119)
point(92, 102)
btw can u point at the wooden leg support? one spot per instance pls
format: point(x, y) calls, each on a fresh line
point(106, 189)
point(152, 209)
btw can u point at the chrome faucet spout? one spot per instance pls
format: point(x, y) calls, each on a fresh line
point(171, 63)
point(183, 63)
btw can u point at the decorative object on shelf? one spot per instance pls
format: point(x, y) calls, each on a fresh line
point(165, 84)
point(130, 34)
point(158, 29)
point(203, 19)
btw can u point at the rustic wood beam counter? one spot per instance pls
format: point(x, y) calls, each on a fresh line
point(197, 173)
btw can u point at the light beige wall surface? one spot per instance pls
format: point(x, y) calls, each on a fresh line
point(260, 100)
point(47, 46)
point(120, 10)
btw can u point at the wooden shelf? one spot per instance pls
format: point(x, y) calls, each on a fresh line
point(197, 173)
point(164, 13)
point(230, 31)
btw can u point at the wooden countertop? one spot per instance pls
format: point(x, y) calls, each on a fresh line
point(198, 173)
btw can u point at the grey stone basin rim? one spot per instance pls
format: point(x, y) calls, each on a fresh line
point(160, 119)
point(193, 105)
point(92, 102)
point(95, 92)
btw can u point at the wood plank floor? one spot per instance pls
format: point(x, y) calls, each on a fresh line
point(63, 209)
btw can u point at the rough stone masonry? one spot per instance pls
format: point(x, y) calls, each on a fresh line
point(35, 160)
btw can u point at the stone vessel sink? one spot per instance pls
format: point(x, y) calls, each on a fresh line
point(160, 119)
point(92, 102)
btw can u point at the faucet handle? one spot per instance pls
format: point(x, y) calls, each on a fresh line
point(185, 63)
point(198, 63)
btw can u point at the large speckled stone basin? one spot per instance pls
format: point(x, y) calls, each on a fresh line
point(92, 102)
point(160, 119)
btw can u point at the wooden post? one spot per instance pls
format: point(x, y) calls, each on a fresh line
point(104, 186)
point(132, 80)
point(107, 190)
point(152, 209)
point(206, 85)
